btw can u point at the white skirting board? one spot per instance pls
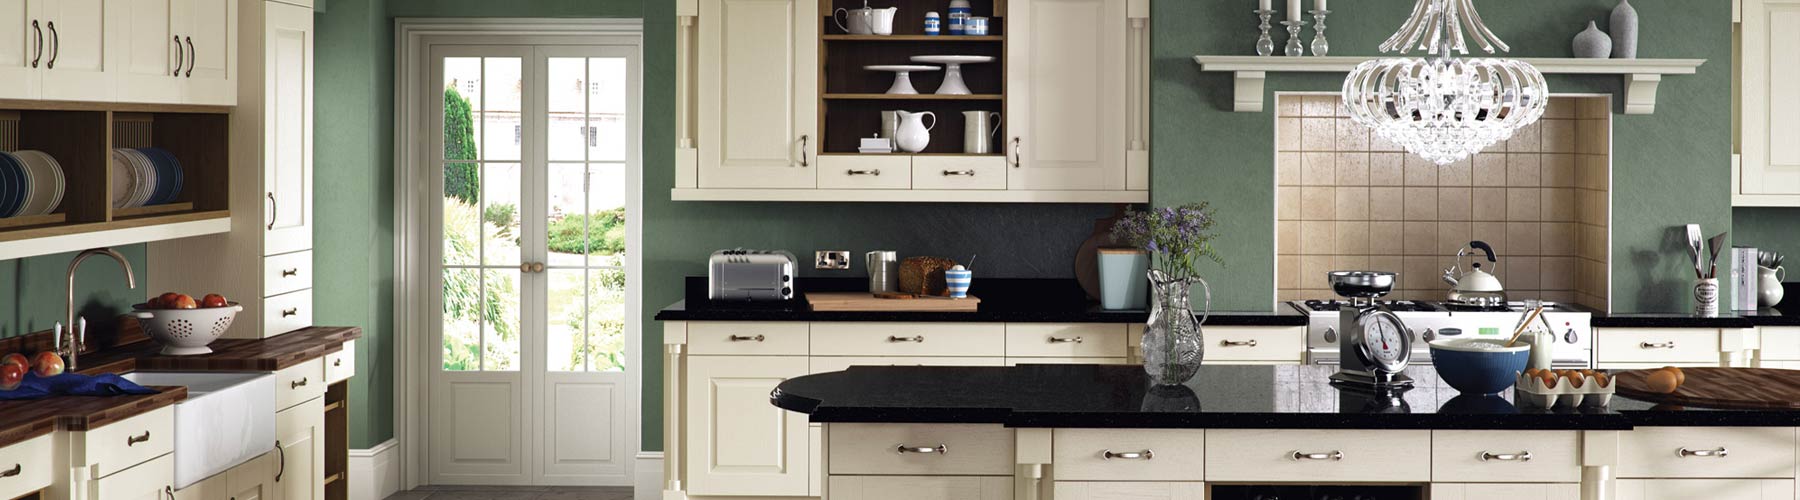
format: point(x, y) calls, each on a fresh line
point(647, 483)
point(374, 473)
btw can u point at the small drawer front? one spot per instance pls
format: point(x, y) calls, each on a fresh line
point(287, 312)
point(1657, 345)
point(959, 172)
point(299, 383)
point(341, 365)
point(25, 467)
point(1254, 343)
point(920, 449)
point(908, 339)
point(1129, 454)
point(1076, 340)
point(873, 171)
point(1707, 452)
point(1066, 361)
point(1506, 456)
point(746, 338)
point(147, 481)
point(119, 445)
point(1781, 343)
point(287, 273)
point(1317, 455)
point(921, 488)
point(822, 364)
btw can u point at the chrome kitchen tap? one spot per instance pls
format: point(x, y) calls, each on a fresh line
point(76, 338)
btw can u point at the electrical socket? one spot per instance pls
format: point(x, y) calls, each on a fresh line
point(831, 259)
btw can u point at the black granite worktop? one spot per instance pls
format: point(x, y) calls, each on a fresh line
point(1002, 300)
point(1784, 314)
point(1244, 397)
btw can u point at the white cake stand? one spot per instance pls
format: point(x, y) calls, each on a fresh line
point(902, 76)
point(953, 80)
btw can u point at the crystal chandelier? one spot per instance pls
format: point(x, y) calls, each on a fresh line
point(1444, 108)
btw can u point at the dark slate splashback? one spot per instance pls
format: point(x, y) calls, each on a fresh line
point(1008, 240)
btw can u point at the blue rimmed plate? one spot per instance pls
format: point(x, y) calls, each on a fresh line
point(13, 185)
point(169, 175)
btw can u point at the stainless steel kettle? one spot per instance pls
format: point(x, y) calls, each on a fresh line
point(1475, 287)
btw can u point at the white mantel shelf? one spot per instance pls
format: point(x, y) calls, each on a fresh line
point(1641, 75)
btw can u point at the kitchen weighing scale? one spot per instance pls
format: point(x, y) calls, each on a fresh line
point(1376, 345)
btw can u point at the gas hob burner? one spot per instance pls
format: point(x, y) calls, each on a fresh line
point(1391, 305)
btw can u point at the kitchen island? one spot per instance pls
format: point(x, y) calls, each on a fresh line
point(1100, 432)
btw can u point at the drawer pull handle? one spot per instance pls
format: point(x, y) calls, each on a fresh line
point(1065, 340)
point(1335, 455)
point(292, 271)
point(1718, 453)
point(1238, 343)
point(280, 460)
point(874, 172)
point(337, 362)
point(1139, 455)
point(746, 338)
point(16, 470)
point(915, 339)
point(1657, 345)
point(297, 383)
point(969, 173)
point(939, 449)
point(1523, 456)
point(170, 491)
point(290, 311)
point(134, 440)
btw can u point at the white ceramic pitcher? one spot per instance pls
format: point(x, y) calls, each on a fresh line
point(913, 135)
point(979, 128)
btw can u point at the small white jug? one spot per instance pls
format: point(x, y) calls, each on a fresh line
point(979, 128)
point(913, 135)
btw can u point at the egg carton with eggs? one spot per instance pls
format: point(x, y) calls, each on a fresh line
point(1569, 388)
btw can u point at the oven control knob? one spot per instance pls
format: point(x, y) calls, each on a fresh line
point(1571, 337)
point(1430, 335)
point(1331, 335)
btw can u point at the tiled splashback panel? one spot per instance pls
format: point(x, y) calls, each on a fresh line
point(1349, 200)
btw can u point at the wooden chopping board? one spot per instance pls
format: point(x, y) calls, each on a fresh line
point(865, 301)
point(1723, 388)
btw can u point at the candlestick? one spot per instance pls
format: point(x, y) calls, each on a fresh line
point(1264, 44)
point(1294, 48)
point(1319, 45)
point(1293, 10)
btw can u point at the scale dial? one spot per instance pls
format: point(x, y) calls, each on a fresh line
point(1383, 342)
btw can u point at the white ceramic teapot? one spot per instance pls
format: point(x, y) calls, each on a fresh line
point(913, 135)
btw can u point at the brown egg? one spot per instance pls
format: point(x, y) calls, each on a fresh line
point(1662, 381)
point(1576, 381)
point(1600, 378)
point(1549, 381)
point(1680, 378)
point(1587, 372)
point(1533, 372)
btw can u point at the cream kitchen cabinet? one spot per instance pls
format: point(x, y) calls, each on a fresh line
point(21, 49)
point(247, 481)
point(1767, 169)
point(739, 444)
point(1506, 491)
point(54, 50)
point(758, 94)
point(173, 51)
point(209, 30)
point(1631, 348)
point(25, 467)
point(1071, 101)
point(265, 261)
point(300, 452)
point(1090, 490)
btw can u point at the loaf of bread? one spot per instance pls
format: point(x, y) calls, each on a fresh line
point(925, 275)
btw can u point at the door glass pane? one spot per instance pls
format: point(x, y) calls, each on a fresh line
point(462, 223)
point(566, 314)
point(608, 89)
point(463, 312)
point(502, 98)
point(462, 102)
point(500, 333)
point(566, 86)
point(500, 213)
point(568, 232)
point(606, 320)
point(606, 206)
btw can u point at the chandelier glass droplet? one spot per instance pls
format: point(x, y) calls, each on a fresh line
point(1444, 108)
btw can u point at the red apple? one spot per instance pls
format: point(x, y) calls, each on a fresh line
point(11, 376)
point(47, 364)
point(16, 359)
point(183, 302)
point(166, 300)
point(213, 300)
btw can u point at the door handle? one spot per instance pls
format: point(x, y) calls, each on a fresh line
point(1137, 455)
point(55, 46)
point(38, 54)
point(1065, 340)
point(875, 172)
point(179, 55)
point(1721, 452)
point(1657, 345)
point(191, 55)
point(1334, 455)
point(1017, 158)
point(805, 145)
point(280, 461)
point(939, 449)
point(920, 339)
point(1237, 343)
point(1523, 456)
point(746, 338)
point(273, 208)
point(970, 173)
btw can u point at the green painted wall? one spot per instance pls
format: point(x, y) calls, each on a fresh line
point(1669, 168)
point(31, 290)
point(1775, 229)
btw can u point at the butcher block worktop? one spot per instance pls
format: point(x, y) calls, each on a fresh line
point(32, 418)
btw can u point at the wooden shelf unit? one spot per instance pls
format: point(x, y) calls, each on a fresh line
point(852, 98)
point(337, 441)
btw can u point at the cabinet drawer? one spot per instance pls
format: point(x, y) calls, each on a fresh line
point(1149, 454)
point(873, 171)
point(822, 364)
point(909, 339)
point(1503, 491)
point(146, 481)
point(1324, 455)
point(1065, 340)
point(921, 488)
point(959, 172)
point(119, 445)
point(1708, 489)
point(929, 449)
point(299, 383)
point(1506, 456)
point(1657, 345)
point(1251, 343)
point(287, 273)
point(1092, 490)
point(741, 338)
point(287, 312)
point(32, 460)
point(1066, 361)
point(1781, 343)
point(341, 365)
point(1759, 452)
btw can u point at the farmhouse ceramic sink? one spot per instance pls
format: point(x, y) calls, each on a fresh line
point(227, 419)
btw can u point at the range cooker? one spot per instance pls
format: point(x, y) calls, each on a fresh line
point(1427, 321)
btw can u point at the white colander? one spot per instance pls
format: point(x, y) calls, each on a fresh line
point(185, 332)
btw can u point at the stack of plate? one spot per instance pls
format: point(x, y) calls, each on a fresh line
point(144, 176)
point(31, 183)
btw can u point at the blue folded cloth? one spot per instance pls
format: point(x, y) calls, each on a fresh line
point(70, 384)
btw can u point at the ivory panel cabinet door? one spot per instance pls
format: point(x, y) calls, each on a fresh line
point(1070, 110)
point(21, 50)
point(1770, 159)
point(738, 443)
point(75, 35)
point(758, 91)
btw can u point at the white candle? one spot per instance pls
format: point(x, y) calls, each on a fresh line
point(1294, 10)
point(1319, 5)
point(1262, 4)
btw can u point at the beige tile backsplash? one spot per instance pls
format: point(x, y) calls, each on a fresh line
point(1348, 200)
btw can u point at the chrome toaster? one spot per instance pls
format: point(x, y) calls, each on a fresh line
point(750, 275)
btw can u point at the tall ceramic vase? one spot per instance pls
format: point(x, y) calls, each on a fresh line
point(1173, 344)
point(1624, 26)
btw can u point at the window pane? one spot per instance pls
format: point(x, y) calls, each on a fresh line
point(567, 87)
point(565, 318)
point(462, 319)
point(462, 220)
point(606, 202)
point(500, 213)
point(606, 320)
point(568, 233)
point(608, 90)
point(500, 108)
point(500, 333)
point(462, 101)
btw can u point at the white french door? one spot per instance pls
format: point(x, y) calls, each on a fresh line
point(533, 378)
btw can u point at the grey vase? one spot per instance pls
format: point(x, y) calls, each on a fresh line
point(1592, 43)
point(1624, 30)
